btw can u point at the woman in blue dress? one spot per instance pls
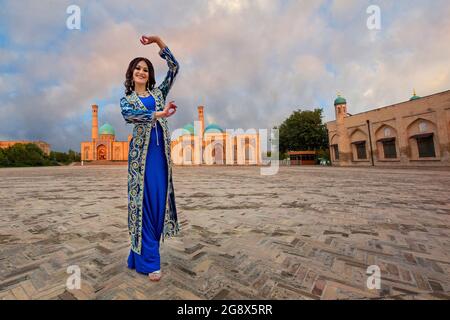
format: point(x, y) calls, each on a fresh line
point(151, 199)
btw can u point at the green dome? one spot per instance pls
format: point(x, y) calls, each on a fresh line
point(340, 100)
point(213, 128)
point(107, 129)
point(189, 128)
point(414, 97)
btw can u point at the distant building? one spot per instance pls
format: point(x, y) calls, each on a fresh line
point(303, 158)
point(210, 145)
point(44, 146)
point(411, 133)
point(103, 145)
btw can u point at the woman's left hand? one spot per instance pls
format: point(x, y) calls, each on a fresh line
point(145, 40)
point(170, 109)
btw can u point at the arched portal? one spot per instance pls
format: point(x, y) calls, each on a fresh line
point(101, 152)
point(218, 152)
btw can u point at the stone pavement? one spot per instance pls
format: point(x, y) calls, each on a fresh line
point(305, 233)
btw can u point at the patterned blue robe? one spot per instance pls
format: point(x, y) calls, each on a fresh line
point(134, 111)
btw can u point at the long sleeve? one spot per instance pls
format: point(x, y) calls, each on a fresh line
point(135, 116)
point(171, 74)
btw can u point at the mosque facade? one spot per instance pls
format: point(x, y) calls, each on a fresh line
point(212, 145)
point(103, 145)
point(410, 133)
point(194, 145)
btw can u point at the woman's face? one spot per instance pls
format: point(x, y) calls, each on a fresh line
point(140, 73)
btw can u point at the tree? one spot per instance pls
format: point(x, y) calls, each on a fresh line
point(303, 130)
point(34, 155)
point(4, 162)
point(74, 156)
point(29, 154)
point(17, 155)
point(65, 158)
point(24, 155)
point(59, 156)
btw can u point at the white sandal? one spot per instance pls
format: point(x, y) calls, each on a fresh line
point(157, 272)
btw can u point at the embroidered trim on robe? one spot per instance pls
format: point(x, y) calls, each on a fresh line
point(134, 111)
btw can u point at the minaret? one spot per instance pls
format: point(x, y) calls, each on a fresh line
point(201, 118)
point(198, 137)
point(94, 122)
point(340, 108)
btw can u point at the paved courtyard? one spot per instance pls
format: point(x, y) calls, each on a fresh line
point(305, 233)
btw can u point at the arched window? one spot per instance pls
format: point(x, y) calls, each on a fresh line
point(425, 145)
point(117, 154)
point(334, 147)
point(335, 151)
point(361, 152)
point(359, 145)
point(187, 151)
point(422, 139)
point(86, 153)
point(247, 149)
point(386, 142)
point(218, 152)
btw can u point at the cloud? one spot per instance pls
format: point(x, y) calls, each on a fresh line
point(250, 63)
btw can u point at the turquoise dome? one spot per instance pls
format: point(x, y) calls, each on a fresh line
point(340, 100)
point(415, 96)
point(213, 128)
point(189, 128)
point(107, 129)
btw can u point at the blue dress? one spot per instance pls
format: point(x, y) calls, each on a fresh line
point(154, 201)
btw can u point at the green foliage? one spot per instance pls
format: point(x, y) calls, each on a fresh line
point(4, 162)
point(283, 156)
point(29, 155)
point(323, 155)
point(65, 158)
point(302, 131)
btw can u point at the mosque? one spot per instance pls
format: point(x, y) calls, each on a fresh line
point(103, 145)
point(411, 133)
point(214, 146)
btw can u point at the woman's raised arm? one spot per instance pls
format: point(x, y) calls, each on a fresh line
point(172, 63)
point(171, 73)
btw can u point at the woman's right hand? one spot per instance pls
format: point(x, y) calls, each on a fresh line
point(170, 109)
point(145, 40)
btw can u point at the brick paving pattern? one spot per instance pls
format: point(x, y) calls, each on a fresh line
point(305, 233)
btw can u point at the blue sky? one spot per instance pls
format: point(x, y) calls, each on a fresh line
point(250, 63)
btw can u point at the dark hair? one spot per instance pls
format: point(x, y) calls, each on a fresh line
point(129, 85)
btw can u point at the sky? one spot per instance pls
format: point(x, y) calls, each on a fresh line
point(250, 63)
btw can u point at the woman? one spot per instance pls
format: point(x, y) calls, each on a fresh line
point(152, 212)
